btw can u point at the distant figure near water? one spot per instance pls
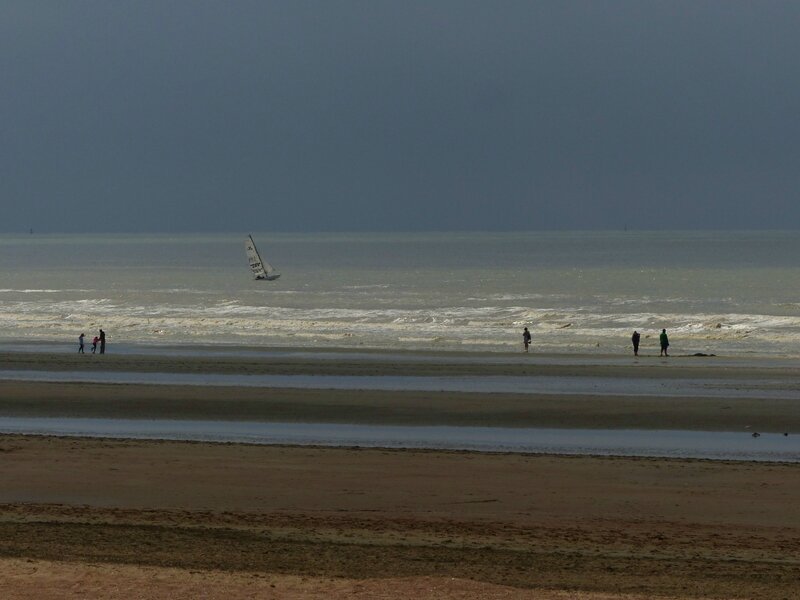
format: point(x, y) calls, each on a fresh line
point(526, 338)
point(635, 339)
point(664, 342)
point(80, 344)
point(95, 339)
point(102, 342)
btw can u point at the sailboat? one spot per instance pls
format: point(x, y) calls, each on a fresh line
point(261, 269)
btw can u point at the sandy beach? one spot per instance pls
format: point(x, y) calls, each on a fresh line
point(428, 300)
point(99, 518)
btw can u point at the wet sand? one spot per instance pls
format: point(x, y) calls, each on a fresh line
point(412, 364)
point(99, 518)
point(604, 408)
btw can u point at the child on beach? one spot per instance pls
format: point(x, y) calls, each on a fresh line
point(526, 338)
point(80, 343)
point(94, 343)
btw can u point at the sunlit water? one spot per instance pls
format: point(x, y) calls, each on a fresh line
point(583, 385)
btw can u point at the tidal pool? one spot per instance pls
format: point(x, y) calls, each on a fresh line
point(770, 447)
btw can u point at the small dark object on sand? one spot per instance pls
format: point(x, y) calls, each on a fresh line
point(702, 354)
point(756, 434)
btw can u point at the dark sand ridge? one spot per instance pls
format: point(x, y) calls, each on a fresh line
point(682, 528)
point(41, 399)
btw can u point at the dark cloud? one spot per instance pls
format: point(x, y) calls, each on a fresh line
point(142, 116)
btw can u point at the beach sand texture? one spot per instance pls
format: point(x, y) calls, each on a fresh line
point(99, 518)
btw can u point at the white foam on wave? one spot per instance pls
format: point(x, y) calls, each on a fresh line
point(377, 323)
point(514, 297)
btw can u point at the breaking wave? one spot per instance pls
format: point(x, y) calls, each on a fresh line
point(481, 327)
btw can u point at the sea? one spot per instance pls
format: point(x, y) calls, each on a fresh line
point(582, 292)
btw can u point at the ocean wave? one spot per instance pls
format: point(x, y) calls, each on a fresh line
point(452, 316)
point(789, 305)
point(516, 297)
point(564, 328)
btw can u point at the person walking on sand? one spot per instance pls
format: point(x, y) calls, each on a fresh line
point(95, 339)
point(102, 342)
point(635, 339)
point(80, 344)
point(526, 338)
point(664, 342)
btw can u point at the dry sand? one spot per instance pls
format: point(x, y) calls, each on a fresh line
point(136, 519)
point(48, 580)
point(653, 527)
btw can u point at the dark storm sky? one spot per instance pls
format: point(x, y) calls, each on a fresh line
point(433, 115)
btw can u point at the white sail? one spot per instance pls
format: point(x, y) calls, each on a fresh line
point(261, 269)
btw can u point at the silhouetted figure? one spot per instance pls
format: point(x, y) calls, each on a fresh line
point(102, 342)
point(635, 340)
point(664, 342)
point(80, 344)
point(526, 338)
point(95, 339)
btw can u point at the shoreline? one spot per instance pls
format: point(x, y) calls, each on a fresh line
point(512, 350)
point(379, 363)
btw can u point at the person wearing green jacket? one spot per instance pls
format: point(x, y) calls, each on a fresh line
point(664, 342)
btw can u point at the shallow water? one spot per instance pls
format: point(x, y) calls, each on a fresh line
point(585, 385)
point(659, 443)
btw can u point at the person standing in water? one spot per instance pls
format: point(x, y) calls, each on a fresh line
point(526, 338)
point(102, 342)
point(635, 339)
point(664, 342)
point(80, 344)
